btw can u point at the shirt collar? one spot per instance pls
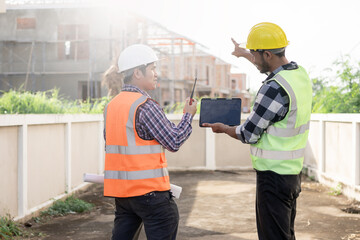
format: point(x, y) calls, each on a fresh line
point(290, 66)
point(132, 88)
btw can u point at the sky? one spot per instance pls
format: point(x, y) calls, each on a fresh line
point(319, 31)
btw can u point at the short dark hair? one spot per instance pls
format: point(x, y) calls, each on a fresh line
point(279, 54)
point(129, 73)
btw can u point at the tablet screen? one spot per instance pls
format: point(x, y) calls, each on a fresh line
point(223, 110)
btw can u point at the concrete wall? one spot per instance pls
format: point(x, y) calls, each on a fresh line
point(45, 166)
point(8, 170)
point(206, 150)
point(43, 157)
point(86, 153)
point(193, 152)
point(332, 154)
point(338, 151)
point(231, 153)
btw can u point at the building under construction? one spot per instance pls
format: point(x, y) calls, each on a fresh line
point(70, 44)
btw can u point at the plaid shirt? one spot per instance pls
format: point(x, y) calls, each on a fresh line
point(151, 123)
point(271, 106)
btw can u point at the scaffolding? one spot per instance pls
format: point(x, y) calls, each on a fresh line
point(181, 58)
point(31, 59)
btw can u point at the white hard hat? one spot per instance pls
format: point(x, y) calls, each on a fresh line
point(136, 55)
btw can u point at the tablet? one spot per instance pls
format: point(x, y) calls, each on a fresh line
point(223, 110)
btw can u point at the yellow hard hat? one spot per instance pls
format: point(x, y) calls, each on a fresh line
point(266, 35)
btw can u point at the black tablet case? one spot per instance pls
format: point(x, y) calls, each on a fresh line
point(223, 110)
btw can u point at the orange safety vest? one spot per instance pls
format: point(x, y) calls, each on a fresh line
point(133, 166)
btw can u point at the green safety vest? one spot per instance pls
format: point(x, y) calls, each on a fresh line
point(281, 148)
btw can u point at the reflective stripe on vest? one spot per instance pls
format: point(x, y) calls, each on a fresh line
point(129, 125)
point(133, 150)
point(136, 175)
point(288, 132)
point(277, 155)
point(281, 147)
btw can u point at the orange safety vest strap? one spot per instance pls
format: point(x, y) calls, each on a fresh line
point(137, 175)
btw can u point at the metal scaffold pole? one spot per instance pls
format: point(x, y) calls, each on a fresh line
point(29, 64)
point(172, 74)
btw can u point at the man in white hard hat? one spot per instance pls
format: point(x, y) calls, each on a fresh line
point(136, 133)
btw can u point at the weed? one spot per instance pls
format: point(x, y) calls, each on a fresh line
point(311, 178)
point(36, 219)
point(9, 228)
point(336, 191)
point(70, 205)
point(25, 102)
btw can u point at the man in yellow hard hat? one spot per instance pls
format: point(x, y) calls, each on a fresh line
point(277, 130)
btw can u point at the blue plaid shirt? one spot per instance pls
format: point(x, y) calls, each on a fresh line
point(152, 123)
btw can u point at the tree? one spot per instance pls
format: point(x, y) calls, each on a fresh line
point(342, 95)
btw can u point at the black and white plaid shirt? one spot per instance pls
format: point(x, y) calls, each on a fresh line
point(271, 106)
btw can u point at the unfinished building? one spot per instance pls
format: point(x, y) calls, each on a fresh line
point(69, 44)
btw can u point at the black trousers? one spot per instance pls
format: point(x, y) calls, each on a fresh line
point(157, 211)
point(276, 205)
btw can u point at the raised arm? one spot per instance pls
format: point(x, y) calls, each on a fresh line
point(242, 52)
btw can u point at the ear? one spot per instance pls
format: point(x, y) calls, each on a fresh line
point(138, 73)
point(267, 55)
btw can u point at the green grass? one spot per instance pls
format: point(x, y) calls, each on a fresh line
point(25, 102)
point(8, 228)
point(69, 205)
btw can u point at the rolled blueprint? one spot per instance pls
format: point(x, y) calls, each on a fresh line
point(176, 190)
point(93, 178)
point(96, 178)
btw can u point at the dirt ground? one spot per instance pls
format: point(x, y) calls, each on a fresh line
point(216, 205)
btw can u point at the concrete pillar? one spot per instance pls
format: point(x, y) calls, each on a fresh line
point(356, 154)
point(101, 147)
point(22, 171)
point(68, 157)
point(210, 149)
point(172, 73)
point(322, 147)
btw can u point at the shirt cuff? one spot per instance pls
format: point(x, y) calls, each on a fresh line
point(238, 133)
point(188, 117)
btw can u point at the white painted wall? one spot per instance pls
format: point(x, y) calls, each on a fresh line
point(43, 157)
point(332, 155)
